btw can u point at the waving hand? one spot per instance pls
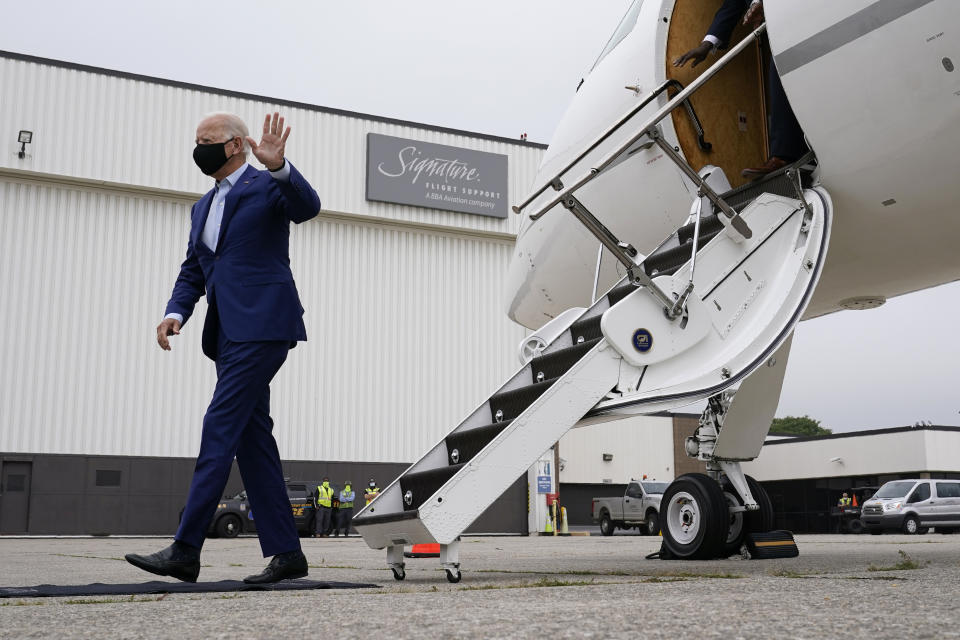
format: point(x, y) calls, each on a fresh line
point(272, 144)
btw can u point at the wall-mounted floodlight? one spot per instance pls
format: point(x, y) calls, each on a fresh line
point(607, 457)
point(24, 138)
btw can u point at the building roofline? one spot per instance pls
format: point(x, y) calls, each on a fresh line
point(866, 432)
point(23, 57)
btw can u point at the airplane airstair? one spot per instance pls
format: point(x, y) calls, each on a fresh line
point(705, 310)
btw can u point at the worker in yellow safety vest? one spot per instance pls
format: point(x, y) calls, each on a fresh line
point(323, 498)
point(345, 511)
point(845, 501)
point(372, 491)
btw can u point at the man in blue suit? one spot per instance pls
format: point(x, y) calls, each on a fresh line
point(787, 143)
point(238, 255)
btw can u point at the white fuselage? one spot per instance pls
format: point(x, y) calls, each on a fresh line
point(874, 87)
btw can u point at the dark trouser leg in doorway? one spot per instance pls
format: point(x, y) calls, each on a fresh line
point(787, 143)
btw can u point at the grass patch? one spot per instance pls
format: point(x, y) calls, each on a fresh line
point(333, 566)
point(659, 580)
point(905, 563)
point(22, 603)
point(235, 564)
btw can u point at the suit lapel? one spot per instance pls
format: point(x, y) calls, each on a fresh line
point(202, 210)
point(230, 203)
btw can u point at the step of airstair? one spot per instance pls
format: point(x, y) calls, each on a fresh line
point(420, 485)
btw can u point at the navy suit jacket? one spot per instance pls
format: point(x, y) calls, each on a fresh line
point(727, 18)
point(247, 279)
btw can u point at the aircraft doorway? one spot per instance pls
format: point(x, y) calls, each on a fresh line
point(731, 106)
point(15, 496)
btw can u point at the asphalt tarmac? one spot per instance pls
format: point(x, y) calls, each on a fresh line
point(864, 586)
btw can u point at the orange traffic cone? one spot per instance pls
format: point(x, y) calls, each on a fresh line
point(423, 551)
point(855, 500)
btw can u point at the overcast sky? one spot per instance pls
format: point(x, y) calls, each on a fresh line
point(503, 67)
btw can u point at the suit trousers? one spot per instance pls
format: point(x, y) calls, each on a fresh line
point(786, 134)
point(238, 425)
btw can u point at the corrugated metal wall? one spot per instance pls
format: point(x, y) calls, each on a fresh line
point(640, 445)
point(99, 127)
point(406, 332)
point(406, 323)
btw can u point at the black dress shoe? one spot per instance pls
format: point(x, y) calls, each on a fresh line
point(283, 566)
point(772, 164)
point(178, 561)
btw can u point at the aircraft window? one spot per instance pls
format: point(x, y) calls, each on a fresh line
point(626, 26)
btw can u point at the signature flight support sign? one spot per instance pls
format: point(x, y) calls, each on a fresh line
point(437, 176)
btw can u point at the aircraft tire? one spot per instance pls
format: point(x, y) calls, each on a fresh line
point(693, 517)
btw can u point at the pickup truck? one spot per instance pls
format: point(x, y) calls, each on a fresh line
point(638, 508)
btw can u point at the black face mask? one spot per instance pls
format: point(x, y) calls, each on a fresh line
point(211, 157)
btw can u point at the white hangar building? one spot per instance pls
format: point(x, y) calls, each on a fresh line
point(404, 312)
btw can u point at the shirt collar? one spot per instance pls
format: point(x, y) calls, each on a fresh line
point(231, 179)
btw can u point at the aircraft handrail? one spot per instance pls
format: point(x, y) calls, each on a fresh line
point(596, 143)
point(649, 129)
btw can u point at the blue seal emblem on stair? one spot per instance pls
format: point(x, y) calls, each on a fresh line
point(642, 340)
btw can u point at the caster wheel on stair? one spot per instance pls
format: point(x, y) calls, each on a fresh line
point(398, 574)
point(453, 575)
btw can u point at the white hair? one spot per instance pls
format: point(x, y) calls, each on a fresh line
point(233, 126)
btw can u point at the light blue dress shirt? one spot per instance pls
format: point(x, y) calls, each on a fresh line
point(211, 230)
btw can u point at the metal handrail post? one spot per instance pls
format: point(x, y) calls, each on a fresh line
point(596, 275)
point(704, 189)
point(621, 251)
point(556, 183)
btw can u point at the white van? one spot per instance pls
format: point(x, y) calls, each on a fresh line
point(913, 506)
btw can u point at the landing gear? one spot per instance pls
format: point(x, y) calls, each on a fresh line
point(695, 517)
point(398, 573)
point(710, 516)
point(742, 522)
point(453, 575)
